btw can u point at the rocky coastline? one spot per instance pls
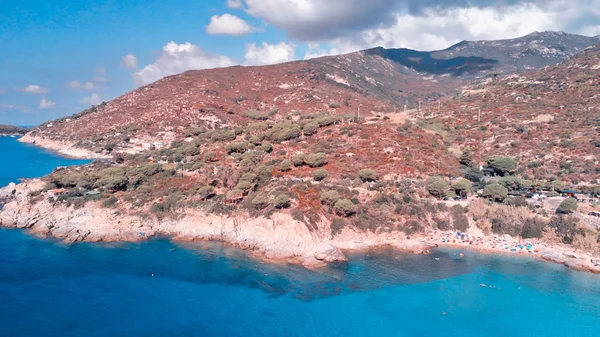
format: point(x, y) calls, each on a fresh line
point(278, 239)
point(64, 148)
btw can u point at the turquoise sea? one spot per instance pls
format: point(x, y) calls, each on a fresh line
point(159, 288)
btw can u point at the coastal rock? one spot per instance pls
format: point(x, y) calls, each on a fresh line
point(313, 263)
point(553, 256)
point(331, 254)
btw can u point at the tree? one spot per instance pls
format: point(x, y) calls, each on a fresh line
point(466, 158)
point(437, 187)
point(568, 205)
point(344, 207)
point(367, 175)
point(512, 183)
point(495, 192)
point(462, 187)
point(502, 165)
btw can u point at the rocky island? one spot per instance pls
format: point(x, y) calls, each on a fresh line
point(301, 161)
point(11, 130)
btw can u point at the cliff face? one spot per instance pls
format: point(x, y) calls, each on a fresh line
point(279, 238)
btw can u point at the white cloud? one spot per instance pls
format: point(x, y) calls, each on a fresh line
point(129, 61)
point(177, 58)
point(82, 86)
point(100, 76)
point(228, 24)
point(92, 100)
point(269, 53)
point(34, 89)
point(314, 51)
point(440, 28)
point(590, 30)
point(46, 104)
point(422, 24)
point(311, 20)
point(234, 3)
point(21, 108)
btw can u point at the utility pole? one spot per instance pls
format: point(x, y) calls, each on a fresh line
point(479, 115)
point(405, 103)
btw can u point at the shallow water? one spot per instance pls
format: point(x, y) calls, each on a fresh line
point(167, 289)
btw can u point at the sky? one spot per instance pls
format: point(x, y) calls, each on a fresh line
point(59, 57)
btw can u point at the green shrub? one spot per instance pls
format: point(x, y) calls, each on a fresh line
point(316, 159)
point(112, 179)
point(245, 185)
point(283, 131)
point(281, 201)
point(237, 147)
point(258, 126)
point(320, 174)
point(110, 202)
point(334, 105)
point(437, 187)
point(311, 128)
point(261, 116)
point(459, 218)
point(222, 136)
point(502, 165)
point(261, 200)
point(466, 158)
point(325, 121)
point(367, 175)
point(337, 225)
point(299, 159)
point(210, 156)
point(495, 192)
point(285, 166)
point(329, 197)
point(190, 150)
point(568, 205)
point(512, 183)
point(462, 187)
point(344, 207)
point(533, 228)
point(206, 192)
point(265, 147)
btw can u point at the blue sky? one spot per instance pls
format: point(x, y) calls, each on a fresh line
point(58, 57)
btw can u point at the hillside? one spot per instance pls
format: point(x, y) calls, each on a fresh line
point(524, 54)
point(548, 119)
point(372, 81)
point(478, 59)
